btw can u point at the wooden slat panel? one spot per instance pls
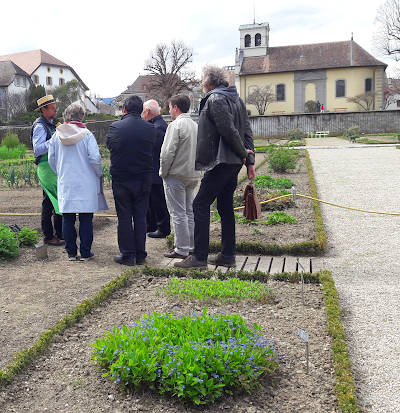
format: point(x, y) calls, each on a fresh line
point(251, 263)
point(264, 264)
point(276, 265)
point(239, 261)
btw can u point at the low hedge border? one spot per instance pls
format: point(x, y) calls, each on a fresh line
point(307, 248)
point(345, 388)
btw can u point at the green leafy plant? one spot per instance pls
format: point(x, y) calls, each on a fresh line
point(295, 134)
point(104, 151)
point(280, 217)
point(282, 159)
point(106, 173)
point(215, 216)
point(10, 141)
point(8, 243)
point(353, 131)
point(232, 289)
point(12, 153)
point(196, 358)
point(27, 237)
point(266, 181)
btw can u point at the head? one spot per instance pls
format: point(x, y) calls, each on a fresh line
point(74, 112)
point(49, 111)
point(133, 104)
point(178, 104)
point(151, 109)
point(212, 77)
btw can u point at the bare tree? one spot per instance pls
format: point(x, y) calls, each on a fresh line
point(365, 100)
point(16, 103)
point(391, 90)
point(168, 65)
point(261, 97)
point(387, 38)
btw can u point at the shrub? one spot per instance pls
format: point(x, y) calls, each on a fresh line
point(232, 289)
point(311, 106)
point(10, 141)
point(294, 143)
point(353, 131)
point(27, 237)
point(197, 358)
point(266, 181)
point(8, 243)
point(295, 134)
point(282, 159)
point(280, 217)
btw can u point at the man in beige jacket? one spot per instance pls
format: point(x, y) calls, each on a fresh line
point(177, 159)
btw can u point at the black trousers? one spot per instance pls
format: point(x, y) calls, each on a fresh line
point(219, 183)
point(47, 225)
point(157, 215)
point(131, 202)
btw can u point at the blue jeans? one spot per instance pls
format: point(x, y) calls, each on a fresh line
point(85, 233)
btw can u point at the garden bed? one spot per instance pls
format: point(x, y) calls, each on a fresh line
point(66, 379)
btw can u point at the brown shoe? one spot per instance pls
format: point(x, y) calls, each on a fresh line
point(191, 262)
point(55, 242)
point(174, 254)
point(220, 260)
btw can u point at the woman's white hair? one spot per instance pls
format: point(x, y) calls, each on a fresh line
point(74, 111)
point(153, 106)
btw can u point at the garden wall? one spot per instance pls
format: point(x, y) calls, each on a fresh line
point(272, 125)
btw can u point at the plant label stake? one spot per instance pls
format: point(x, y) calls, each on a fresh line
point(304, 336)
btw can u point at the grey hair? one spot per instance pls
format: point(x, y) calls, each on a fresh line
point(153, 106)
point(214, 76)
point(74, 111)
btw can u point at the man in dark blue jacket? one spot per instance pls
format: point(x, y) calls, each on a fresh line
point(131, 142)
point(158, 219)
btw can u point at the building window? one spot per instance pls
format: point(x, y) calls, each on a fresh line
point(61, 81)
point(247, 40)
point(49, 81)
point(48, 68)
point(280, 92)
point(340, 88)
point(258, 39)
point(368, 85)
point(61, 70)
point(36, 79)
point(398, 103)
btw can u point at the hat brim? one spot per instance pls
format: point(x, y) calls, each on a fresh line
point(46, 104)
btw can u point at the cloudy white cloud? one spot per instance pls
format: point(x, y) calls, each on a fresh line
point(108, 43)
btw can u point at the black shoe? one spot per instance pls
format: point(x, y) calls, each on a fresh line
point(120, 259)
point(219, 259)
point(157, 234)
point(91, 255)
point(191, 262)
point(140, 261)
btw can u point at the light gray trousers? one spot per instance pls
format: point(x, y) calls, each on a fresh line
point(179, 196)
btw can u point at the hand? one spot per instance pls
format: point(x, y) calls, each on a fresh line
point(249, 151)
point(251, 172)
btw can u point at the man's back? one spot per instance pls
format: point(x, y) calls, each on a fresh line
point(131, 141)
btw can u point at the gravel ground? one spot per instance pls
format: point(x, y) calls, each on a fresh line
point(363, 255)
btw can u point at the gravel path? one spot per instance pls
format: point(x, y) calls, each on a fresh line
point(363, 256)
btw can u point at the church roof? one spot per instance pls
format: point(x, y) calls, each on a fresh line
point(309, 57)
point(30, 60)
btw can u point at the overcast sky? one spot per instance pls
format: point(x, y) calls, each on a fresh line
point(108, 45)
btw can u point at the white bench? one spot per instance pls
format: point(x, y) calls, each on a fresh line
point(321, 134)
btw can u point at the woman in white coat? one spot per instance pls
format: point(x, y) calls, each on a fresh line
point(74, 156)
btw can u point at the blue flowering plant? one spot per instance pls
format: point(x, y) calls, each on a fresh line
point(196, 358)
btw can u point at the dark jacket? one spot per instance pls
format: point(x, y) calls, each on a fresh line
point(131, 142)
point(161, 126)
point(224, 130)
point(49, 127)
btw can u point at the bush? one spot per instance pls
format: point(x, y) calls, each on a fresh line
point(266, 181)
point(295, 134)
point(353, 131)
point(311, 106)
point(280, 217)
point(196, 358)
point(10, 141)
point(25, 118)
point(8, 243)
point(282, 159)
point(27, 237)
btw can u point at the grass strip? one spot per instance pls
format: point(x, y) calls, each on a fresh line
point(345, 388)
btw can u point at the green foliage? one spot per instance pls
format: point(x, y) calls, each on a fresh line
point(311, 106)
point(282, 159)
point(104, 151)
point(35, 93)
point(24, 118)
point(197, 358)
point(215, 216)
point(224, 290)
point(27, 237)
point(294, 143)
point(66, 94)
point(280, 217)
point(266, 181)
point(16, 173)
point(106, 174)
point(100, 117)
point(12, 153)
point(8, 243)
point(353, 131)
point(295, 134)
point(10, 141)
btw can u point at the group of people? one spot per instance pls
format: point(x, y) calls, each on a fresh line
point(155, 169)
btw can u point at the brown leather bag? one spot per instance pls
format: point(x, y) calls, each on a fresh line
point(252, 207)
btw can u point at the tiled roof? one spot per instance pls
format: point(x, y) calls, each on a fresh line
point(309, 57)
point(32, 59)
point(8, 70)
point(140, 85)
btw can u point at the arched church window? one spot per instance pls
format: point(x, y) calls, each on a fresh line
point(258, 39)
point(247, 40)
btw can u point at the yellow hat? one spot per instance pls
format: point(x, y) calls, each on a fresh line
point(44, 101)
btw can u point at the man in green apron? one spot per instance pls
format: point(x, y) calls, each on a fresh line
point(42, 130)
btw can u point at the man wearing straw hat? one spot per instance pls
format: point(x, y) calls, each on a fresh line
point(42, 130)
